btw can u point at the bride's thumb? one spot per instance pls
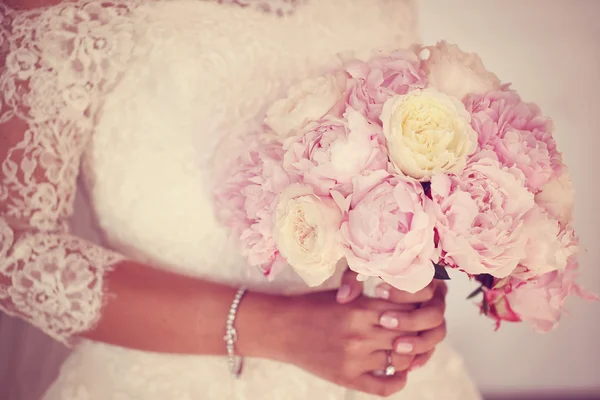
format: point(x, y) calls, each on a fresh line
point(350, 288)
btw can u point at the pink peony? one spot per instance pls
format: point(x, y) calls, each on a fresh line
point(456, 73)
point(539, 301)
point(549, 245)
point(331, 152)
point(307, 101)
point(245, 201)
point(388, 231)
point(372, 83)
point(259, 247)
point(518, 133)
point(480, 217)
point(557, 198)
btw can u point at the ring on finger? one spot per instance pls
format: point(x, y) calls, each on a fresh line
point(389, 370)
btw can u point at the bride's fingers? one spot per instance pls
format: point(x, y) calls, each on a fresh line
point(408, 343)
point(387, 292)
point(429, 316)
point(382, 386)
point(377, 361)
point(350, 288)
point(385, 339)
point(422, 343)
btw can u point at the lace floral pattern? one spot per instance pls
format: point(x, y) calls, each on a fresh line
point(58, 61)
point(55, 282)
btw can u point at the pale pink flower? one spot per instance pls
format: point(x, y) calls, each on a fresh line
point(539, 301)
point(549, 245)
point(557, 198)
point(330, 152)
point(480, 217)
point(456, 73)
point(252, 185)
point(259, 248)
point(518, 133)
point(245, 200)
point(372, 83)
point(389, 232)
point(307, 101)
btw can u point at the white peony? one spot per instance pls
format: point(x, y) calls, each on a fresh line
point(306, 233)
point(456, 73)
point(305, 102)
point(557, 197)
point(427, 132)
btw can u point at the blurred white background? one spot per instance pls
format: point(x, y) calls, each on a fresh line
point(550, 51)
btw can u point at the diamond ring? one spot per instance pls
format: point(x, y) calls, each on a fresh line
point(390, 370)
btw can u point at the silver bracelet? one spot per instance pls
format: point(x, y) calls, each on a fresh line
point(235, 362)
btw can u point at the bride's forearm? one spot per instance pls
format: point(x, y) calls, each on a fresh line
point(153, 310)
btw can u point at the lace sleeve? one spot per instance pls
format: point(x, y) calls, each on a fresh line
point(48, 277)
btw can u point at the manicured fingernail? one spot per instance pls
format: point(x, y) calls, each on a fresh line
point(404, 348)
point(387, 321)
point(382, 292)
point(343, 292)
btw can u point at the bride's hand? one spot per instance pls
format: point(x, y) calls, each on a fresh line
point(422, 344)
point(345, 343)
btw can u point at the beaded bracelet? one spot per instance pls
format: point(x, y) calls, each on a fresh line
point(235, 362)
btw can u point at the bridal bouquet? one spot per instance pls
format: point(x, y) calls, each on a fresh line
point(405, 165)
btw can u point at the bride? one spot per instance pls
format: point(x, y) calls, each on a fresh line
point(135, 97)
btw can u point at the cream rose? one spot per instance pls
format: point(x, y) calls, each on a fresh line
point(427, 132)
point(305, 102)
point(306, 233)
point(456, 73)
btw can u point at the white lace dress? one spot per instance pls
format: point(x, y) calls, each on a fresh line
point(120, 92)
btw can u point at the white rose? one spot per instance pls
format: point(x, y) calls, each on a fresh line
point(306, 233)
point(557, 198)
point(427, 132)
point(305, 102)
point(456, 73)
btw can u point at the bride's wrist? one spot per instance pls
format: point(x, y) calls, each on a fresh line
point(260, 326)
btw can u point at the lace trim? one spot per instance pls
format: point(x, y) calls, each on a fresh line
point(55, 281)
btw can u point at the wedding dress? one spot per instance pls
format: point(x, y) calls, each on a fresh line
point(136, 98)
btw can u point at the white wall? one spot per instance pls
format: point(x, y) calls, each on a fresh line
point(550, 51)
